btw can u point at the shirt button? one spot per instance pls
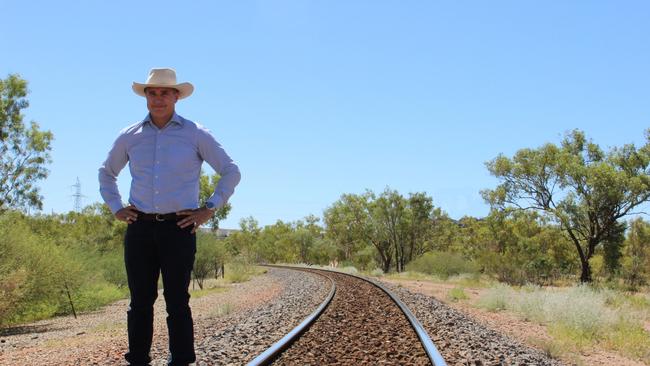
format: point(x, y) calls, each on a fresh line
point(156, 177)
point(156, 192)
point(157, 162)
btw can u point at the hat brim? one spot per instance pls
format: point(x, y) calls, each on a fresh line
point(184, 89)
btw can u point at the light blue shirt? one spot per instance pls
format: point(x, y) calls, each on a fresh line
point(165, 166)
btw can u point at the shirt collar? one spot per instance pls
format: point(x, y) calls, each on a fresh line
point(176, 119)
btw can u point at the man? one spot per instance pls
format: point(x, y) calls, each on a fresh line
point(165, 152)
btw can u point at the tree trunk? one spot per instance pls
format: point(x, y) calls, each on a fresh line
point(67, 291)
point(585, 276)
point(386, 265)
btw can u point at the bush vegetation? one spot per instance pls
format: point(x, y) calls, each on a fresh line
point(580, 316)
point(52, 264)
point(442, 264)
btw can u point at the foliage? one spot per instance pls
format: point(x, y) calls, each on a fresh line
point(441, 264)
point(580, 316)
point(38, 271)
point(210, 257)
point(239, 270)
point(456, 294)
point(584, 189)
point(497, 298)
point(636, 262)
point(24, 150)
point(395, 226)
point(45, 257)
point(520, 247)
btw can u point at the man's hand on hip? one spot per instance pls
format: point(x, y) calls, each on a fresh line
point(194, 218)
point(127, 214)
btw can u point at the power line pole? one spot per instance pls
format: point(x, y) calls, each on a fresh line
point(77, 195)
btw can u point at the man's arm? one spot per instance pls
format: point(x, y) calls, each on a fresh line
point(108, 172)
point(212, 153)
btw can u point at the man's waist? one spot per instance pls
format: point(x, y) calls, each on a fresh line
point(158, 216)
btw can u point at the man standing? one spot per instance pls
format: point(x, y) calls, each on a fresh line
point(165, 152)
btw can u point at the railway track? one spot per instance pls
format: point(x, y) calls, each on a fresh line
point(359, 322)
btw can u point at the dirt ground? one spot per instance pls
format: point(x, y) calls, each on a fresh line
point(98, 336)
point(526, 332)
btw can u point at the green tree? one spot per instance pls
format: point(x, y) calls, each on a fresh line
point(422, 214)
point(636, 261)
point(445, 232)
point(210, 257)
point(243, 241)
point(612, 248)
point(24, 150)
point(352, 224)
point(323, 251)
point(395, 226)
point(348, 223)
point(389, 215)
point(585, 190)
point(521, 247)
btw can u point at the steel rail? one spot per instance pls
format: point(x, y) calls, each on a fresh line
point(432, 352)
point(266, 357)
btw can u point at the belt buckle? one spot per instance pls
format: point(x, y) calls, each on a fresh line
point(159, 218)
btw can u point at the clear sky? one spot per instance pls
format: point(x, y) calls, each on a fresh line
point(314, 99)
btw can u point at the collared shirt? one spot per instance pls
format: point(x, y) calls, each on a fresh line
point(165, 166)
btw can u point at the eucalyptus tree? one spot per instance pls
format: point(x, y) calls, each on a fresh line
point(584, 189)
point(24, 150)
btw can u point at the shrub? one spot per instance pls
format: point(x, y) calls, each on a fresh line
point(95, 295)
point(113, 270)
point(39, 271)
point(457, 293)
point(497, 298)
point(348, 269)
point(239, 271)
point(441, 264)
point(580, 315)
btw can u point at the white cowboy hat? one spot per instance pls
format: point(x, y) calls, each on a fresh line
point(163, 78)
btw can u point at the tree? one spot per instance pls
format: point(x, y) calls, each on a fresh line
point(395, 226)
point(585, 190)
point(422, 216)
point(636, 263)
point(351, 226)
point(24, 151)
point(207, 183)
point(210, 258)
point(389, 215)
point(520, 247)
point(346, 222)
point(612, 246)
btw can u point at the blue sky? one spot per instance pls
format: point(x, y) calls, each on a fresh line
point(314, 99)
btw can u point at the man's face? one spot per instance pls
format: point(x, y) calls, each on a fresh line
point(161, 101)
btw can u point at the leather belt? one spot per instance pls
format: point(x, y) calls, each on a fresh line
point(158, 217)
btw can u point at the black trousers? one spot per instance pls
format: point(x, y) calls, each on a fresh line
point(152, 248)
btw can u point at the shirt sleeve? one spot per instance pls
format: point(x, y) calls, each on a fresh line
point(212, 153)
point(108, 172)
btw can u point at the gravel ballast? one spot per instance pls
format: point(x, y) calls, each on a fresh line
point(461, 340)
